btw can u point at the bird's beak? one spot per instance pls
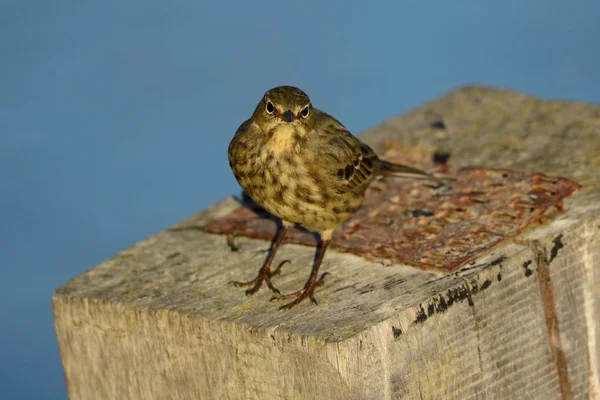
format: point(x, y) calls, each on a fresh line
point(289, 115)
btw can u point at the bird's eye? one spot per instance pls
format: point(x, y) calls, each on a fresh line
point(305, 111)
point(270, 107)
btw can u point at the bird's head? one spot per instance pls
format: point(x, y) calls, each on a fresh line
point(284, 105)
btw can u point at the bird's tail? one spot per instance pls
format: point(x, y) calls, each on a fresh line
point(390, 169)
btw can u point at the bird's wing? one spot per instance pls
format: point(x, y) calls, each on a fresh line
point(349, 163)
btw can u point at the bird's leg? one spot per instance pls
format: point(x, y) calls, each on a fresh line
point(265, 274)
point(312, 282)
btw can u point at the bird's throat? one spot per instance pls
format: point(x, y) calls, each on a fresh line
point(284, 138)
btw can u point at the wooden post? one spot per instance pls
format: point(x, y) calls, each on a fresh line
point(159, 320)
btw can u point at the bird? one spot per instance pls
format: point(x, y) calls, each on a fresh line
point(304, 167)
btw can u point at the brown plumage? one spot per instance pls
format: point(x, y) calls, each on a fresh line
point(303, 166)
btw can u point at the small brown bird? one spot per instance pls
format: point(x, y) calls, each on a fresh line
point(304, 167)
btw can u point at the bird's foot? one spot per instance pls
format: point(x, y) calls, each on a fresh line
point(300, 295)
point(264, 275)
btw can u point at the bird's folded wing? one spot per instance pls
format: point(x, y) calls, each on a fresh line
point(352, 163)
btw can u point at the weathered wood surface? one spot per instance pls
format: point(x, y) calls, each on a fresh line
point(159, 320)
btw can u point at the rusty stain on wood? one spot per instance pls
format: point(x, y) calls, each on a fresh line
point(430, 226)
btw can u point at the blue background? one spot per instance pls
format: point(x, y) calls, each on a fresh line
point(115, 115)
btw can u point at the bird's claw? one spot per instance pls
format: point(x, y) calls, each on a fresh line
point(321, 280)
point(263, 276)
point(300, 295)
point(278, 269)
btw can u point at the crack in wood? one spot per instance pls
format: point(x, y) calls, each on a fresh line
point(528, 271)
point(549, 303)
point(478, 336)
point(458, 294)
point(558, 244)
